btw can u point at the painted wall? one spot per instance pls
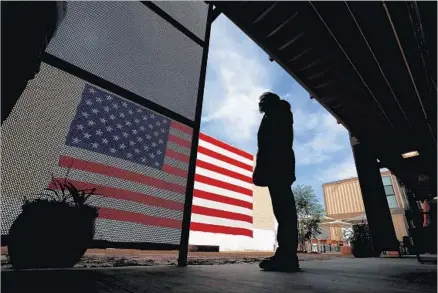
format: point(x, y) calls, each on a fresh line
point(262, 240)
point(343, 197)
point(263, 215)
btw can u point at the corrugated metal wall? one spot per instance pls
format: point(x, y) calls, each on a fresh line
point(343, 199)
point(400, 226)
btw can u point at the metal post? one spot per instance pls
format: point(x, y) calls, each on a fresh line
point(185, 231)
point(374, 199)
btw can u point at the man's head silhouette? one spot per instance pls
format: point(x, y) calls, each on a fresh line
point(285, 104)
point(268, 101)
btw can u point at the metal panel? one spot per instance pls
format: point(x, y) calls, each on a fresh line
point(343, 197)
point(129, 45)
point(191, 14)
point(127, 52)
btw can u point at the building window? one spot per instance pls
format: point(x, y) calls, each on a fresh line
point(392, 202)
point(386, 181)
point(389, 191)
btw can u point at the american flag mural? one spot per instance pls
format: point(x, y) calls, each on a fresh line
point(222, 201)
point(138, 162)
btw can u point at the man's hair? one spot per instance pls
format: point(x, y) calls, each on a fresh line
point(269, 96)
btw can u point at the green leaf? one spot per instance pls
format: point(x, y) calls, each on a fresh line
point(309, 212)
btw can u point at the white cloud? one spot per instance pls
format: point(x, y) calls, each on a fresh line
point(304, 122)
point(318, 137)
point(236, 78)
point(238, 73)
point(338, 171)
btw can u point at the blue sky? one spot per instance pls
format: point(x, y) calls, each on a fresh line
point(238, 72)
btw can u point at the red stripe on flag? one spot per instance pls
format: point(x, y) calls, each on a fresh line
point(223, 171)
point(174, 170)
point(69, 162)
point(226, 146)
point(177, 156)
point(125, 195)
point(180, 141)
point(224, 158)
point(220, 229)
point(118, 215)
point(220, 214)
point(222, 199)
point(181, 127)
point(221, 184)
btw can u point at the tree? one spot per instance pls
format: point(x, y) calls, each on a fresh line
point(309, 212)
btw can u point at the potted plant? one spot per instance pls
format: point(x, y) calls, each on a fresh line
point(54, 230)
point(361, 242)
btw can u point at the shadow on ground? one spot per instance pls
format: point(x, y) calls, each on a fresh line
point(49, 281)
point(329, 276)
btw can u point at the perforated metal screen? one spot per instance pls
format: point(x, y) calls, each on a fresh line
point(128, 44)
point(66, 125)
point(191, 14)
point(136, 158)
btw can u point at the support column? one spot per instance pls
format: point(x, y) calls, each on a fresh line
point(185, 231)
point(374, 199)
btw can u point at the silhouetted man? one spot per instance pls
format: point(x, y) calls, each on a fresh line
point(275, 168)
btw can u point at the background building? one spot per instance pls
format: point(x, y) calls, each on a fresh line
point(344, 205)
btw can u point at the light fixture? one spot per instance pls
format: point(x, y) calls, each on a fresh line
point(410, 154)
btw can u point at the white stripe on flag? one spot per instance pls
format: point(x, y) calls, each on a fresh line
point(134, 207)
point(223, 192)
point(225, 152)
point(196, 218)
point(180, 134)
point(223, 178)
point(221, 206)
point(97, 179)
point(219, 163)
point(144, 170)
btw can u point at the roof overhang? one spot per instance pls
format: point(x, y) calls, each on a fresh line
point(372, 65)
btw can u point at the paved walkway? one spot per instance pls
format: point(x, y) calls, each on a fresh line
point(332, 276)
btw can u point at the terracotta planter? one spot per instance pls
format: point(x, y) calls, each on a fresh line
point(345, 250)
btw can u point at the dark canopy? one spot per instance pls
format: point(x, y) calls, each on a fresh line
point(371, 64)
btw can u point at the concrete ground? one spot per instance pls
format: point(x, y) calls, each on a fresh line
point(336, 275)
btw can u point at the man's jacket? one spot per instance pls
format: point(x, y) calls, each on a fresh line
point(275, 157)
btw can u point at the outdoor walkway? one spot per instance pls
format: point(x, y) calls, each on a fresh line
point(337, 275)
